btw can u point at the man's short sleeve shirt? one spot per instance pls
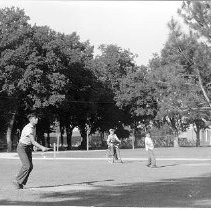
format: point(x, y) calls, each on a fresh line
point(28, 130)
point(112, 138)
point(149, 144)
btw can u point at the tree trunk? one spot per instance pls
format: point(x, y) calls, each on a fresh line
point(197, 137)
point(176, 139)
point(176, 143)
point(9, 133)
point(134, 139)
point(197, 131)
point(42, 139)
point(61, 134)
point(203, 89)
point(83, 145)
point(69, 137)
point(48, 139)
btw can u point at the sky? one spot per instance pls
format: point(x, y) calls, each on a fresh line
point(140, 26)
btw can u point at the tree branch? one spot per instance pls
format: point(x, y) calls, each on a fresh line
point(198, 74)
point(196, 108)
point(202, 88)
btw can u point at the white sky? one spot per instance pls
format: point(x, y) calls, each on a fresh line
point(140, 26)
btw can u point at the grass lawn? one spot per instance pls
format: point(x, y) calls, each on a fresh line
point(93, 181)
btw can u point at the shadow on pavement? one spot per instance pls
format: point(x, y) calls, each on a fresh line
point(184, 192)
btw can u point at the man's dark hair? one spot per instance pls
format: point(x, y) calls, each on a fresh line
point(29, 116)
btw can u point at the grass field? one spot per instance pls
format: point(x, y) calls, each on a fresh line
point(182, 179)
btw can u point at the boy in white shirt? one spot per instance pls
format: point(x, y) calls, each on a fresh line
point(112, 142)
point(24, 149)
point(149, 146)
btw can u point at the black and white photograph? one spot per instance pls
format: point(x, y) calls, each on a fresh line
point(105, 104)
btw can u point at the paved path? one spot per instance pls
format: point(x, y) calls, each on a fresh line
point(180, 180)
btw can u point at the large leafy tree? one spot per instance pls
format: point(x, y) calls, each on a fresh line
point(198, 16)
point(117, 70)
point(25, 75)
point(111, 67)
point(15, 34)
point(113, 63)
point(179, 74)
point(81, 89)
point(136, 96)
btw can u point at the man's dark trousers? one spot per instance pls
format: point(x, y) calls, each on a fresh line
point(115, 153)
point(25, 155)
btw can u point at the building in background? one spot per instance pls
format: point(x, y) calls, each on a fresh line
point(189, 136)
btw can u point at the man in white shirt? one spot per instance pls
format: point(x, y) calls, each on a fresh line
point(24, 149)
point(149, 146)
point(113, 142)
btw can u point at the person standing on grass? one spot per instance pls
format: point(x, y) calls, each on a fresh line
point(112, 142)
point(149, 146)
point(24, 149)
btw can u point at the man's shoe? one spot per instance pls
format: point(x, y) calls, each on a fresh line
point(153, 166)
point(148, 165)
point(17, 185)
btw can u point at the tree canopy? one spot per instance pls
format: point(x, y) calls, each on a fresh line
point(58, 76)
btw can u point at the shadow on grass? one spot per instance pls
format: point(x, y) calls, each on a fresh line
point(72, 184)
point(184, 192)
point(141, 161)
point(170, 165)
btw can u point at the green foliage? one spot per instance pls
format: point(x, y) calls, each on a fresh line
point(175, 75)
point(113, 64)
point(135, 95)
point(198, 16)
point(109, 68)
point(162, 136)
